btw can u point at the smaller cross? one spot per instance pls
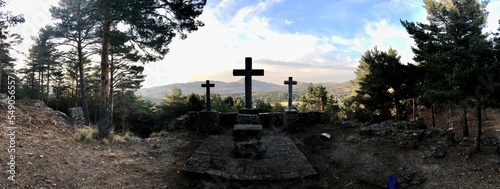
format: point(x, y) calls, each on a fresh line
point(290, 83)
point(208, 85)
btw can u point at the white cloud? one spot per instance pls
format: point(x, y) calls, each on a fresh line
point(493, 16)
point(384, 36)
point(220, 46)
point(36, 14)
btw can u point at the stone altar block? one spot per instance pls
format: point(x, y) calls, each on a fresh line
point(247, 141)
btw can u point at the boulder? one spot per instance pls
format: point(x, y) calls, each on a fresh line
point(63, 117)
point(76, 113)
point(347, 124)
point(39, 104)
point(438, 152)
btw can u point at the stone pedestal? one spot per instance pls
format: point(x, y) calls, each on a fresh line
point(292, 120)
point(209, 122)
point(247, 141)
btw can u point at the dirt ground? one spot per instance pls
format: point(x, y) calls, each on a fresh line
point(48, 156)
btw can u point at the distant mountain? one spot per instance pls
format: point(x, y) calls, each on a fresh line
point(237, 88)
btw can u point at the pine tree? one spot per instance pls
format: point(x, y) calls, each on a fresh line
point(151, 26)
point(7, 39)
point(381, 83)
point(453, 51)
point(77, 28)
point(315, 98)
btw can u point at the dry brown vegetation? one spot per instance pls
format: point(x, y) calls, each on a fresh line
point(51, 153)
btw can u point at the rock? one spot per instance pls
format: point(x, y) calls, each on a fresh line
point(4, 98)
point(325, 135)
point(39, 104)
point(63, 117)
point(413, 180)
point(438, 135)
point(409, 125)
point(76, 113)
point(491, 141)
point(346, 124)
point(438, 152)
point(377, 129)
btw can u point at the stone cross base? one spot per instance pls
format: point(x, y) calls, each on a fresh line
point(247, 141)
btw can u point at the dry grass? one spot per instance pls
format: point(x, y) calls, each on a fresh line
point(86, 135)
point(47, 134)
point(121, 138)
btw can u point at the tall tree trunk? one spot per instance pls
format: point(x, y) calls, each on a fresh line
point(397, 105)
point(85, 108)
point(433, 117)
point(111, 88)
point(1, 69)
point(57, 96)
point(123, 109)
point(112, 83)
point(105, 121)
point(48, 81)
point(73, 94)
point(40, 77)
point(465, 123)
point(413, 108)
point(477, 145)
point(32, 91)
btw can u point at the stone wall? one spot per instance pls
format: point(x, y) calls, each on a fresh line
point(313, 117)
point(273, 119)
point(226, 120)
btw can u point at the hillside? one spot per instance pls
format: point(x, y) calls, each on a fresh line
point(261, 89)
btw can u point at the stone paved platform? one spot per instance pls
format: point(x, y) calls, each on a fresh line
point(282, 160)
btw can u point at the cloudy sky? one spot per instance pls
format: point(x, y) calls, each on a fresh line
point(313, 41)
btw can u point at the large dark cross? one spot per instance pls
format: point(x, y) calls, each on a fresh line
point(248, 73)
point(208, 85)
point(290, 83)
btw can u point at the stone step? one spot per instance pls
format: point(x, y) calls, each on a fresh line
point(245, 132)
point(248, 119)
